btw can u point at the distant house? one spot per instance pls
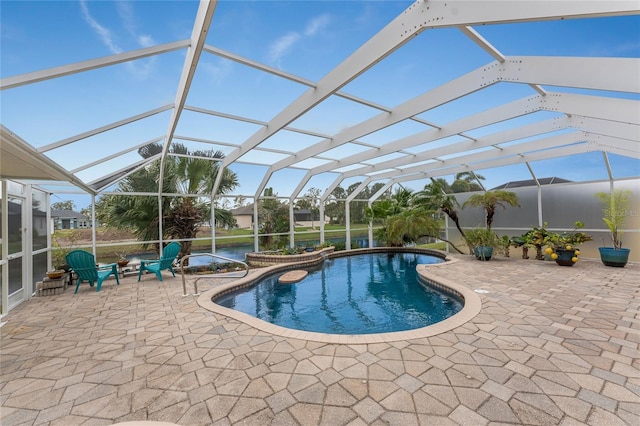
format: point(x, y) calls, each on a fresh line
point(303, 217)
point(243, 216)
point(68, 219)
point(530, 182)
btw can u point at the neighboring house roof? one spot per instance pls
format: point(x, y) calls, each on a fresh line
point(531, 182)
point(243, 211)
point(66, 214)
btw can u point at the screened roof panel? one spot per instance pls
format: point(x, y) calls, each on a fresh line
point(289, 140)
point(311, 163)
point(419, 66)
point(215, 73)
point(356, 78)
point(215, 128)
point(262, 157)
point(333, 115)
point(599, 37)
point(569, 167)
point(522, 122)
point(395, 131)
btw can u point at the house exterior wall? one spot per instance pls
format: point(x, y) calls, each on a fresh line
point(244, 221)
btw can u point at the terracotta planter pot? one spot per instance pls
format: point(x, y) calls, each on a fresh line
point(54, 275)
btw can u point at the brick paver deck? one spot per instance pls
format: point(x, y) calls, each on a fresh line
point(551, 345)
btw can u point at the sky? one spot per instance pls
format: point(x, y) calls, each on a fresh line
point(304, 38)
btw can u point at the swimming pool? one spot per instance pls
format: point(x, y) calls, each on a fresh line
point(358, 294)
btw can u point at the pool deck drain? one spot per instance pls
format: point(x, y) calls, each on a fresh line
point(551, 345)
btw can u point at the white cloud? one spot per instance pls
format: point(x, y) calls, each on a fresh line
point(139, 69)
point(217, 71)
point(145, 40)
point(127, 15)
point(285, 44)
point(102, 32)
point(316, 24)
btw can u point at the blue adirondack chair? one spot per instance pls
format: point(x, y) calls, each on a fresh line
point(156, 266)
point(84, 265)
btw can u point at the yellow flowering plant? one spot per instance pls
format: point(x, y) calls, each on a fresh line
point(566, 241)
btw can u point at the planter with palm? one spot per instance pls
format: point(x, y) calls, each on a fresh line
point(615, 209)
point(483, 241)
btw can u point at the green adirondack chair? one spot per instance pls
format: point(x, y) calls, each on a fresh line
point(157, 266)
point(84, 265)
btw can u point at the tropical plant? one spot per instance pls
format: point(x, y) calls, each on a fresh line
point(566, 241)
point(274, 220)
point(382, 209)
point(615, 207)
point(490, 201)
point(409, 226)
point(63, 242)
point(482, 237)
point(188, 173)
point(533, 238)
point(505, 243)
point(433, 197)
point(482, 242)
point(467, 181)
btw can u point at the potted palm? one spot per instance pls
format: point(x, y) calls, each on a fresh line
point(482, 241)
point(563, 247)
point(615, 207)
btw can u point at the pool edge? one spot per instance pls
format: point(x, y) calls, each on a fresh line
point(471, 307)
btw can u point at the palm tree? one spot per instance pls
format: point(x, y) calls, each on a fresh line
point(399, 201)
point(189, 174)
point(138, 214)
point(433, 197)
point(491, 200)
point(467, 181)
point(409, 226)
point(469, 176)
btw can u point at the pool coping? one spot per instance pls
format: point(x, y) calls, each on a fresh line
point(471, 302)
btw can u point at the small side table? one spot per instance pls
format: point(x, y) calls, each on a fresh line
point(128, 269)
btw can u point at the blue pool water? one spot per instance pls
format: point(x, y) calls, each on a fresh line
point(361, 294)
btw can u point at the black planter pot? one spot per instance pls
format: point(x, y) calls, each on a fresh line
point(565, 256)
point(483, 252)
point(614, 257)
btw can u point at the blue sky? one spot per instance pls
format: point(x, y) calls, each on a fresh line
point(304, 38)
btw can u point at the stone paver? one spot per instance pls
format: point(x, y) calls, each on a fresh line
point(551, 345)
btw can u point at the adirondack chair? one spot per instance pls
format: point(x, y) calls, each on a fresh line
point(84, 265)
point(156, 266)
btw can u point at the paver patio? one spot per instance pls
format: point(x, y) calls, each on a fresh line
point(551, 345)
